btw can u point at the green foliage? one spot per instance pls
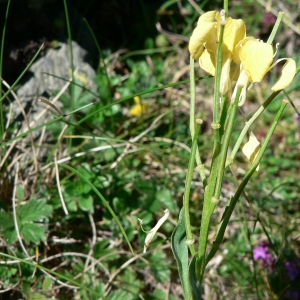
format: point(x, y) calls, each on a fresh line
point(27, 216)
point(180, 250)
point(123, 167)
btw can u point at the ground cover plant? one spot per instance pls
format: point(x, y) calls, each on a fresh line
point(148, 169)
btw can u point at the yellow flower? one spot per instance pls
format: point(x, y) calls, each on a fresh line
point(244, 59)
point(204, 43)
point(251, 149)
point(138, 108)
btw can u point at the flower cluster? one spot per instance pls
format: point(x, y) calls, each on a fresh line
point(263, 254)
point(245, 59)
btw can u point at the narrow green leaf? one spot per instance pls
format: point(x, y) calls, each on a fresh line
point(180, 250)
point(194, 283)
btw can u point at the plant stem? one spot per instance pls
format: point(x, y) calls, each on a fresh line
point(226, 8)
point(217, 81)
point(225, 144)
point(200, 166)
point(1, 65)
point(186, 197)
point(247, 126)
point(22, 74)
point(212, 193)
point(209, 201)
point(72, 87)
point(229, 209)
point(275, 28)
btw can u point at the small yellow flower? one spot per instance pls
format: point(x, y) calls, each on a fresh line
point(138, 108)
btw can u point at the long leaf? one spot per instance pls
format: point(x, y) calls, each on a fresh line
point(180, 250)
point(194, 283)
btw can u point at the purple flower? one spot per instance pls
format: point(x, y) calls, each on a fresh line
point(293, 295)
point(263, 254)
point(269, 19)
point(292, 269)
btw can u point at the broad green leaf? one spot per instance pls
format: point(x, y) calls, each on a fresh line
point(77, 187)
point(180, 250)
point(10, 235)
point(32, 232)
point(5, 220)
point(7, 227)
point(120, 294)
point(86, 203)
point(34, 210)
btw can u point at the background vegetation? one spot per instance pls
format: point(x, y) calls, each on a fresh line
point(111, 166)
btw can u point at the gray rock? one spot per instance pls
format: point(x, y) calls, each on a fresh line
point(42, 83)
point(56, 62)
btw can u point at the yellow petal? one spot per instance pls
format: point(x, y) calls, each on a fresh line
point(206, 62)
point(137, 99)
point(139, 108)
point(237, 48)
point(205, 25)
point(256, 58)
point(251, 149)
point(234, 71)
point(243, 81)
point(225, 83)
point(235, 31)
point(287, 74)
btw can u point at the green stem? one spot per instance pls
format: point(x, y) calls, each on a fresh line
point(72, 87)
point(200, 166)
point(186, 197)
point(102, 60)
point(1, 62)
point(225, 144)
point(226, 8)
point(212, 193)
point(247, 126)
point(275, 28)
point(229, 209)
point(209, 200)
point(218, 80)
